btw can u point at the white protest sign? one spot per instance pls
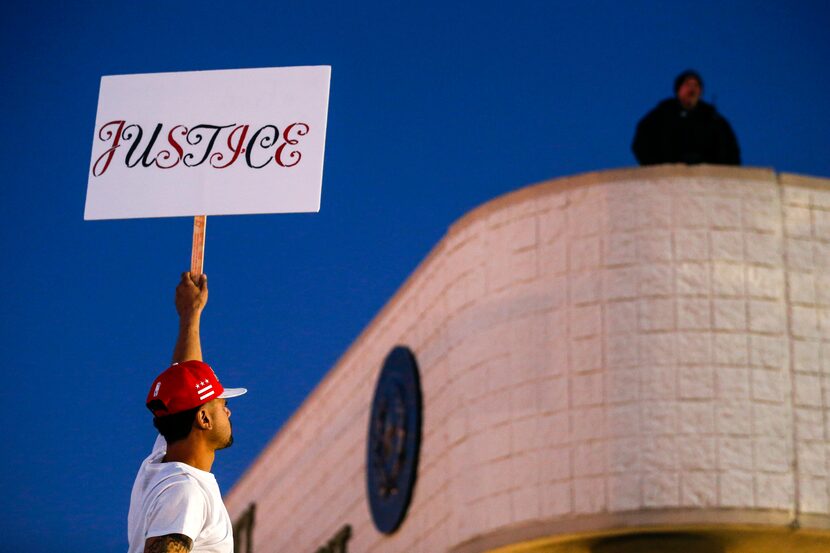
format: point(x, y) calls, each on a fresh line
point(209, 143)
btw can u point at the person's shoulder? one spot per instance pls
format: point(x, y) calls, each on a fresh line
point(182, 481)
point(708, 110)
point(663, 109)
point(184, 477)
point(160, 476)
point(176, 475)
point(669, 104)
point(181, 487)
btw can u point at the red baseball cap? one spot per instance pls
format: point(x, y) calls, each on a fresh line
point(185, 386)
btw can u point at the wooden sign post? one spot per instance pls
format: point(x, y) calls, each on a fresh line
point(197, 256)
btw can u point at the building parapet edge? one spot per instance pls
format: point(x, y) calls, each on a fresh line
point(558, 184)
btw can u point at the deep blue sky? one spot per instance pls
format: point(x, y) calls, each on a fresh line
point(435, 108)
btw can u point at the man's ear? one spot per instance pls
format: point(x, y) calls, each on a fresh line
point(202, 419)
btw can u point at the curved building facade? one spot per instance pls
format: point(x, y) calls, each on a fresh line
point(628, 360)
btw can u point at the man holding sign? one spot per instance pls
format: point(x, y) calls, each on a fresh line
point(175, 505)
point(200, 143)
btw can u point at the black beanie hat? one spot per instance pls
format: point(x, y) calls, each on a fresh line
point(689, 73)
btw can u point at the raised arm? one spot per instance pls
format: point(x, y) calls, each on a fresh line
point(190, 301)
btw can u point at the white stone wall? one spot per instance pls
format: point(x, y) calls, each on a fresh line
point(807, 247)
point(630, 341)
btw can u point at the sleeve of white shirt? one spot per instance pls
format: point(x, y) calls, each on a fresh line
point(180, 508)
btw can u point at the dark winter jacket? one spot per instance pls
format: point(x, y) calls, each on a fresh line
point(671, 134)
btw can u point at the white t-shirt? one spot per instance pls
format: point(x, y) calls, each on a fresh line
point(175, 498)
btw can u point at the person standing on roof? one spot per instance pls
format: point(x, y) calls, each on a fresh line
point(685, 129)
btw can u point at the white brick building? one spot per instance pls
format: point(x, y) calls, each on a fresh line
point(612, 354)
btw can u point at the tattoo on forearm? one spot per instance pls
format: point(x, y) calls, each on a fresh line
point(171, 543)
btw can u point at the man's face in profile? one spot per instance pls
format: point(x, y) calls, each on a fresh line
point(689, 93)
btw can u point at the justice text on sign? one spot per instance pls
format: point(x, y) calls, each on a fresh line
point(209, 143)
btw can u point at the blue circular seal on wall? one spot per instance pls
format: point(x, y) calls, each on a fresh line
point(394, 440)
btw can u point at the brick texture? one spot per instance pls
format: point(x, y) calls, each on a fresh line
point(619, 341)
